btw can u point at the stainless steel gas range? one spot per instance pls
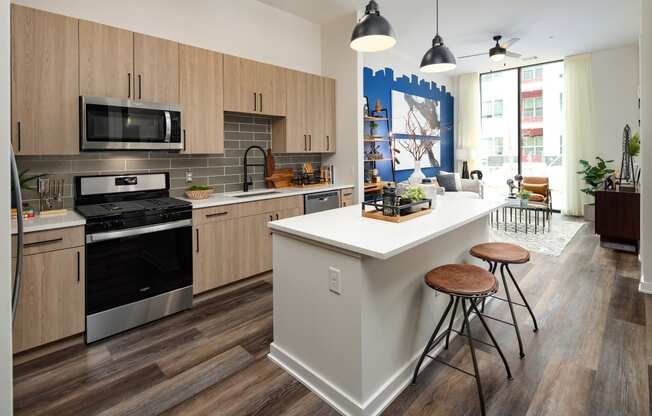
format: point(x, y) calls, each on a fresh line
point(138, 251)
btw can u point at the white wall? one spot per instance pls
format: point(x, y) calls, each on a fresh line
point(645, 42)
point(615, 86)
point(5, 268)
point(344, 64)
point(246, 28)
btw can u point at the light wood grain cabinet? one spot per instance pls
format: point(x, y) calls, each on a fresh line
point(51, 305)
point(156, 69)
point(202, 100)
point(329, 116)
point(106, 61)
point(254, 87)
point(118, 63)
point(233, 242)
point(346, 197)
point(45, 91)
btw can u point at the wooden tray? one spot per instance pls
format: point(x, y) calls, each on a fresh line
point(378, 215)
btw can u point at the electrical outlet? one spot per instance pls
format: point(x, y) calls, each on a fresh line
point(188, 175)
point(335, 280)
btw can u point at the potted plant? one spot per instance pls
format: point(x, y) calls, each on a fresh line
point(634, 149)
point(411, 194)
point(594, 177)
point(373, 128)
point(524, 196)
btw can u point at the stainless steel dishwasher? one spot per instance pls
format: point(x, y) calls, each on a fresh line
point(321, 201)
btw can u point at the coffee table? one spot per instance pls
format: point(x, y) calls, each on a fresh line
point(532, 216)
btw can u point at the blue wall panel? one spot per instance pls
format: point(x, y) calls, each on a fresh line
point(379, 85)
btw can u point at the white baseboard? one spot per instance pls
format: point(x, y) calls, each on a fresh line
point(339, 400)
point(645, 287)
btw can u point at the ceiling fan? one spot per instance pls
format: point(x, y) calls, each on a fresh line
point(499, 51)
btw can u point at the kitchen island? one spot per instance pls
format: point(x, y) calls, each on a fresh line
point(351, 310)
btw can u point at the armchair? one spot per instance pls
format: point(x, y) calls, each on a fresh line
point(540, 188)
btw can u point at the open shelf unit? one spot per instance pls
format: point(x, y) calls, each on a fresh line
point(370, 140)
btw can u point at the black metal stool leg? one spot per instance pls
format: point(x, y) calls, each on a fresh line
point(432, 338)
point(527, 305)
point(493, 340)
point(511, 310)
point(473, 358)
point(450, 325)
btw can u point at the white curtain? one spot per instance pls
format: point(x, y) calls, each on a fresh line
point(579, 119)
point(468, 115)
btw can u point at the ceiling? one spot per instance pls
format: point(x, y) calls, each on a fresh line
point(548, 29)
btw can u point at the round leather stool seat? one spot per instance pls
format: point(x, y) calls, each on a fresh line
point(501, 253)
point(462, 280)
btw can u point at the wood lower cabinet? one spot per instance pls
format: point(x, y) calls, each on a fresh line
point(202, 99)
point(234, 243)
point(346, 197)
point(44, 84)
point(156, 69)
point(106, 61)
point(51, 305)
point(253, 87)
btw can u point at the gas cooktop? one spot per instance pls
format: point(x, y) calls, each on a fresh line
point(129, 207)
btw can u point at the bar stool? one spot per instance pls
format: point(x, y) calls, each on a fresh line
point(506, 254)
point(469, 284)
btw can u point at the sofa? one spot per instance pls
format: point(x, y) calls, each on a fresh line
point(471, 189)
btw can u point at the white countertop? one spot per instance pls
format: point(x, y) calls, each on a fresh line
point(229, 198)
point(70, 219)
point(347, 229)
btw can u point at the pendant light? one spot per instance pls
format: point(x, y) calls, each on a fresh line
point(373, 33)
point(438, 58)
point(497, 53)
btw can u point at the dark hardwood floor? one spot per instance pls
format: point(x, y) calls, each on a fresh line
point(592, 356)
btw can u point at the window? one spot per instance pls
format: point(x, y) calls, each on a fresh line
point(532, 149)
point(492, 109)
point(533, 107)
point(532, 74)
point(492, 146)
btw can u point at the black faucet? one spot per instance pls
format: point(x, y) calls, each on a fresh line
point(247, 181)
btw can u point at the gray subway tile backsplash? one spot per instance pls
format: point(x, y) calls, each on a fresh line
point(223, 171)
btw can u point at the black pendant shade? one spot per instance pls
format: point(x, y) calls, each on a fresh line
point(373, 33)
point(438, 58)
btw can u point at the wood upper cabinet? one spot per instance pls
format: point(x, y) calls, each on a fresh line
point(51, 305)
point(45, 91)
point(328, 118)
point(201, 92)
point(315, 115)
point(156, 69)
point(106, 61)
point(118, 63)
point(253, 87)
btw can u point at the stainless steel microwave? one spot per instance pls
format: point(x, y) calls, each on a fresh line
point(117, 124)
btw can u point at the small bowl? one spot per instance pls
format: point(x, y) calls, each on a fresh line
point(199, 194)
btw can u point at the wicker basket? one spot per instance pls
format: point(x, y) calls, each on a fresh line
point(199, 194)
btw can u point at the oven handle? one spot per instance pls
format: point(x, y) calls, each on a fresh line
point(168, 126)
point(112, 235)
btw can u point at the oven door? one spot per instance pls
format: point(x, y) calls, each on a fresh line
point(127, 266)
point(115, 124)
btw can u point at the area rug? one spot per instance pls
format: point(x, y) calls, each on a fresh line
point(551, 243)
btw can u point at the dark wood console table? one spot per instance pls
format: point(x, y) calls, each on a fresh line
point(618, 219)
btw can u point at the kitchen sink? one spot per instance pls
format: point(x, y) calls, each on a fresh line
point(254, 193)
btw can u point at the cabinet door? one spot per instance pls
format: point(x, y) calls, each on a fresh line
point(215, 258)
point(201, 85)
point(156, 67)
point(272, 90)
point(252, 245)
point(45, 91)
point(106, 61)
point(296, 132)
point(240, 94)
point(315, 115)
point(51, 305)
point(329, 114)
point(267, 242)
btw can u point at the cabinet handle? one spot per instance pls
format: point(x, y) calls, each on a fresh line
point(44, 242)
point(216, 214)
point(310, 142)
point(328, 143)
point(129, 84)
point(19, 141)
point(184, 140)
point(271, 218)
point(277, 217)
point(140, 87)
point(78, 267)
point(255, 102)
point(197, 232)
point(305, 142)
point(261, 101)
